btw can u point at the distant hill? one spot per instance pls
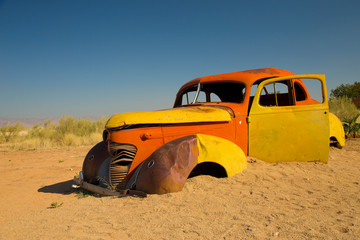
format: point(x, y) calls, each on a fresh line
point(30, 122)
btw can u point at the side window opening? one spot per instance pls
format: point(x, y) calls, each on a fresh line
point(288, 92)
point(308, 91)
point(214, 98)
point(277, 94)
point(253, 90)
point(299, 92)
point(314, 89)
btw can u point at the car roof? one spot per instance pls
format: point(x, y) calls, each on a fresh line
point(247, 77)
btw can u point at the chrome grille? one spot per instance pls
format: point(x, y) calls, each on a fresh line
point(123, 155)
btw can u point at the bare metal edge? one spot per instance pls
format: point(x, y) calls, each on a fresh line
point(107, 192)
point(197, 93)
point(96, 189)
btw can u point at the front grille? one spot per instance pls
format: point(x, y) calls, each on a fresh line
point(123, 155)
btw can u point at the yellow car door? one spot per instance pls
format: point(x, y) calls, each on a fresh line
point(282, 131)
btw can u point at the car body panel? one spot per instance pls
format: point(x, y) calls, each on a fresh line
point(247, 77)
point(159, 135)
point(337, 130)
point(167, 169)
point(221, 151)
point(289, 133)
point(173, 116)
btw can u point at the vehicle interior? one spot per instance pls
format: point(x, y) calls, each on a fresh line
point(212, 92)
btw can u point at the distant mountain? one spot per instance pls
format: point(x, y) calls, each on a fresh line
point(30, 122)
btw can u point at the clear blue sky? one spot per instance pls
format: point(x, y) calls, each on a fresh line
point(94, 58)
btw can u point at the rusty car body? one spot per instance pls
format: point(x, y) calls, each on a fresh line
point(216, 121)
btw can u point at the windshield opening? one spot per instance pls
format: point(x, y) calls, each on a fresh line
point(212, 92)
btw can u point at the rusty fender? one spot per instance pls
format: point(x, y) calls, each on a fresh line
point(167, 169)
point(93, 160)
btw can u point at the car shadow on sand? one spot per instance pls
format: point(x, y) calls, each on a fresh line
point(64, 188)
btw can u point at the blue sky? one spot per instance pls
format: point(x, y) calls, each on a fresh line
point(94, 58)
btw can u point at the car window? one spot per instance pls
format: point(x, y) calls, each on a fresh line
point(314, 88)
point(214, 92)
point(300, 93)
point(214, 98)
point(308, 91)
point(277, 94)
point(188, 97)
point(202, 97)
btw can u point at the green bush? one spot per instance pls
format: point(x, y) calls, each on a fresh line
point(351, 126)
point(351, 91)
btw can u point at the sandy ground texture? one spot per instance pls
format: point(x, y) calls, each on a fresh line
point(266, 201)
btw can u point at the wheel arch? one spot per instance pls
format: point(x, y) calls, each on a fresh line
point(167, 169)
point(336, 130)
point(223, 152)
point(209, 168)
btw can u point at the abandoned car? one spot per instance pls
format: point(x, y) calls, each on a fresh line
point(216, 121)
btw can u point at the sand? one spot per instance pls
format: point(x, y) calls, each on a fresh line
point(266, 201)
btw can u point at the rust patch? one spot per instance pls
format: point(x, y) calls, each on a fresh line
point(93, 161)
point(262, 71)
point(167, 169)
point(200, 109)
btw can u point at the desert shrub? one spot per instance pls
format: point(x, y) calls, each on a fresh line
point(352, 126)
point(347, 112)
point(32, 144)
point(45, 131)
point(10, 132)
point(95, 137)
point(70, 139)
point(67, 133)
point(82, 127)
point(343, 108)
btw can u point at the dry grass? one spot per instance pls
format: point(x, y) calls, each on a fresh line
point(343, 108)
point(69, 132)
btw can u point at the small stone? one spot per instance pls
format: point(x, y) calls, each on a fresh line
point(250, 228)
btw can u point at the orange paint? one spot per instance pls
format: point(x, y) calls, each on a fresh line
point(148, 139)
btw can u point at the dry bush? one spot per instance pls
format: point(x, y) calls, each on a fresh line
point(70, 139)
point(32, 144)
point(346, 110)
point(343, 108)
point(9, 132)
point(69, 132)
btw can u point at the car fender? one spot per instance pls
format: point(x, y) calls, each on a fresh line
point(94, 161)
point(336, 130)
point(167, 169)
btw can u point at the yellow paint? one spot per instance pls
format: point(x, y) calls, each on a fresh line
point(221, 151)
point(175, 115)
point(289, 133)
point(337, 130)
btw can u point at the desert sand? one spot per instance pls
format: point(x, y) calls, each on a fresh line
point(266, 201)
